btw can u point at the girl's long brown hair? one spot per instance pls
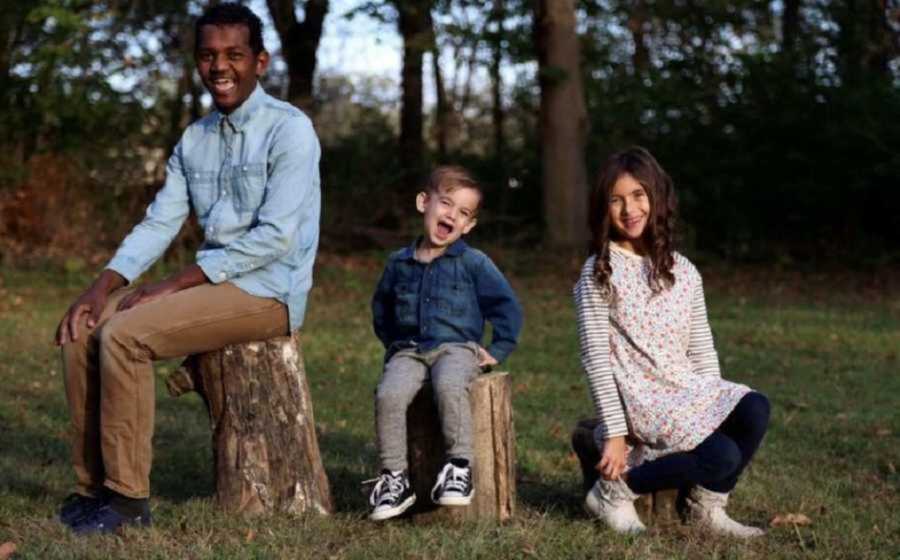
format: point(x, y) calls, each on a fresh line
point(659, 235)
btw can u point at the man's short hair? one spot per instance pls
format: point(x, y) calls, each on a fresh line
point(230, 13)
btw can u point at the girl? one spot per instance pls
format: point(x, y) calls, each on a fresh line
point(667, 418)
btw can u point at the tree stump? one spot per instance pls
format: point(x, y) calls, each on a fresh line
point(494, 442)
point(656, 507)
point(265, 450)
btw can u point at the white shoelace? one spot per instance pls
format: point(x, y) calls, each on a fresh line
point(457, 479)
point(394, 488)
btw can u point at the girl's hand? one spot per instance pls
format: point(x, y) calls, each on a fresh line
point(612, 462)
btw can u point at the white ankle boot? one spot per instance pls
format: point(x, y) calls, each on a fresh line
point(613, 502)
point(707, 508)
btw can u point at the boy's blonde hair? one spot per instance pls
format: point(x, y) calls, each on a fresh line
point(448, 178)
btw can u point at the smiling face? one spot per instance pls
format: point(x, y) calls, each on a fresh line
point(448, 214)
point(629, 211)
point(227, 65)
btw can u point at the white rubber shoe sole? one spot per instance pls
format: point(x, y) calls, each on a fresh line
point(455, 500)
point(387, 513)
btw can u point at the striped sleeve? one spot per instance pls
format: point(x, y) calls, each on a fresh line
point(592, 313)
point(701, 351)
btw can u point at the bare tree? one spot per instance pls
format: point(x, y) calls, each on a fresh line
point(790, 25)
point(299, 44)
point(564, 123)
point(415, 26)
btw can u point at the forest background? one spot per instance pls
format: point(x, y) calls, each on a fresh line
point(776, 118)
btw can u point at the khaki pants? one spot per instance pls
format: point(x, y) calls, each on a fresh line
point(109, 373)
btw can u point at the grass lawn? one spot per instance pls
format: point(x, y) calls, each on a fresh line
point(829, 364)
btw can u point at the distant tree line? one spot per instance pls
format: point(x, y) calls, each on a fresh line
point(777, 118)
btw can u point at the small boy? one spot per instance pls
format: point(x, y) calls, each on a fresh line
point(429, 310)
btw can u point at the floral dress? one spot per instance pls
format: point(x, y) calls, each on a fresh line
point(649, 358)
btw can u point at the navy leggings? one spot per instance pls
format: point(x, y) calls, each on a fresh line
point(717, 462)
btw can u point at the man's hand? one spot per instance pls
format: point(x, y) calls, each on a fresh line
point(90, 303)
point(612, 462)
point(187, 278)
point(485, 360)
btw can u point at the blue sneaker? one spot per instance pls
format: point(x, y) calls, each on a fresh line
point(107, 520)
point(76, 507)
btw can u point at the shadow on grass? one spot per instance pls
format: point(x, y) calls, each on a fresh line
point(555, 500)
point(348, 460)
point(31, 459)
point(182, 450)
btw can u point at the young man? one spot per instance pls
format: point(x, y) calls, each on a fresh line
point(249, 170)
point(429, 311)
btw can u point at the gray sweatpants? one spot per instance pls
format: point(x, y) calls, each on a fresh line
point(451, 367)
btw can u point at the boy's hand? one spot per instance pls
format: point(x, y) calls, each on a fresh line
point(612, 462)
point(485, 360)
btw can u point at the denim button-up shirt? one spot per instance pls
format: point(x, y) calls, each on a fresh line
point(423, 305)
point(252, 178)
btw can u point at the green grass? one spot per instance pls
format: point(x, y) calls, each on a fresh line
point(828, 363)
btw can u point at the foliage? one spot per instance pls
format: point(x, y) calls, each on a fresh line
point(778, 128)
point(774, 153)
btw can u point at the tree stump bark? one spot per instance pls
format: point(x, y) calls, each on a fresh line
point(494, 441)
point(265, 450)
point(655, 507)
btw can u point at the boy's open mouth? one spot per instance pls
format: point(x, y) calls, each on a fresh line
point(444, 229)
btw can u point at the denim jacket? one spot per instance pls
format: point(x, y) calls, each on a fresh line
point(252, 179)
point(447, 300)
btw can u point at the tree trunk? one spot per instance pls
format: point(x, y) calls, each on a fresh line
point(657, 507)
point(265, 448)
point(494, 440)
point(442, 110)
point(415, 27)
point(498, 112)
point(299, 44)
point(637, 19)
point(564, 124)
point(790, 26)
point(498, 115)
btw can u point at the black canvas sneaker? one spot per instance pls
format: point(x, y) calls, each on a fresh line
point(391, 496)
point(454, 484)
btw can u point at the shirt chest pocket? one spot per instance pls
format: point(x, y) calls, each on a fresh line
point(248, 185)
point(406, 304)
point(457, 298)
point(202, 190)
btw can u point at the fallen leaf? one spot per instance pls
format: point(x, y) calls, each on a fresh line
point(783, 519)
point(251, 534)
point(882, 432)
point(7, 549)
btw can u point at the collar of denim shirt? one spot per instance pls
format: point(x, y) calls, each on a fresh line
point(242, 115)
point(457, 248)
